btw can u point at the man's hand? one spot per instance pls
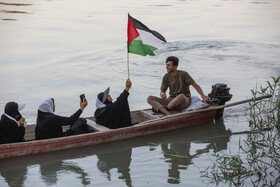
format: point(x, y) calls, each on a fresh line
point(83, 104)
point(163, 95)
point(205, 99)
point(199, 90)
point(128, 85)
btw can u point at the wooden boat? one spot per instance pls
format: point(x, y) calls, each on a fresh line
point(149, 123)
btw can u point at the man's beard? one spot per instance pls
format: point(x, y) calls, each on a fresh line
point(170, 71)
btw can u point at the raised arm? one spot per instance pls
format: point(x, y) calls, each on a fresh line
point(128, 85)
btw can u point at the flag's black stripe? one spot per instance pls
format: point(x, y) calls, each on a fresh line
point(143, 27)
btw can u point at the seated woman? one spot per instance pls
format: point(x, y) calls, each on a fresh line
point(50, 125)
point(12, 124)
point(113, 114)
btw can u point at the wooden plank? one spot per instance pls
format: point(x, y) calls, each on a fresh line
point(148, 115)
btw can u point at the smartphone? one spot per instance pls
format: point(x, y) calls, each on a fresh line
point(82, 97)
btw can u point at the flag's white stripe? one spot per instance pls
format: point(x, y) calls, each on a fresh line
point(148, 38)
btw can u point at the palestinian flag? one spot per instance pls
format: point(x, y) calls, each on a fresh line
point(140, 39)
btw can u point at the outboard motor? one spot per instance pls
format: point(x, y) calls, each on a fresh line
point(220, 95)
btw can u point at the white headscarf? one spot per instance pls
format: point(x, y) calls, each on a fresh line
point(46, 105)
point(15, 120)
point(98, 103)
point(20, 107)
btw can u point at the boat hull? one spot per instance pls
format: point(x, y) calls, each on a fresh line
point(144, 128)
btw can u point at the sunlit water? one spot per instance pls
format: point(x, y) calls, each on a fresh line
point(61, 49)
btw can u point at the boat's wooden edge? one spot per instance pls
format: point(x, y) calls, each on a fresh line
point(141, 116)
point(144, 116)
point(147, 116)
point(62, 143)
point(144, 123)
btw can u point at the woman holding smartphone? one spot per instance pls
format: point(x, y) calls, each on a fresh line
point(49, 125)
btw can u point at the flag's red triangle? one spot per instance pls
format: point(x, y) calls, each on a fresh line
point(132, 33)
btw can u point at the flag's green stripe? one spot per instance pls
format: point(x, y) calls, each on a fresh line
point(137, 47)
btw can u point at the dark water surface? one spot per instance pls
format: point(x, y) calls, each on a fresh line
point(61, 49)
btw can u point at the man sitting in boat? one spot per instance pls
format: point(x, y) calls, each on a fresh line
point(178, 82)
point(12, 124)
point(113, 114)
point(50, 125)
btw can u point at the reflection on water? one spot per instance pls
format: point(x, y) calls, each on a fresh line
point(178, 148)
point(15, 177)
point(118, 160)
point(175, 147)
point(49, 172)
point(178, 156)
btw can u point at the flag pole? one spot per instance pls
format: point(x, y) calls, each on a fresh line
point(128, 65)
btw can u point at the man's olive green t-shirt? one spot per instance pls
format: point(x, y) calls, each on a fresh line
point(178, 84)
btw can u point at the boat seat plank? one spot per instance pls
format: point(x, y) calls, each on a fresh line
point(29, 132)
point(97, 127)
point(154, 115)
point(149, 114)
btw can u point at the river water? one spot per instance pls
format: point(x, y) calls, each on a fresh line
point(60, 49)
